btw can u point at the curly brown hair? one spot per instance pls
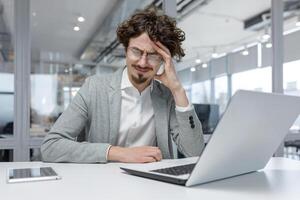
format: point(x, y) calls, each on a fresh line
point(160, 28)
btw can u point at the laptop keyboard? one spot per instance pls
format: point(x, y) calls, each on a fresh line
point(177, 170)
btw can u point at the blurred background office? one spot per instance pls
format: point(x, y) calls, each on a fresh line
point(49, 47)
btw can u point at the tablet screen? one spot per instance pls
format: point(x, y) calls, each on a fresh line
point(27, 174)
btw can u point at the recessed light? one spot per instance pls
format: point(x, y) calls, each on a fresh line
point(214, 55)
point(266, 36)
point(34, 14)
point(204, 65)
point(298, 20)
point(245, 52)
point(193, 69)
point(269, 45)
point(76, 28)
point(198, 61)
point(81, 19)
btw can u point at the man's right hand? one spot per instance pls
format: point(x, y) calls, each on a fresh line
point(144, 154)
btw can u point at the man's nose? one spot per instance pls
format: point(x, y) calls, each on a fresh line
point(143, 60)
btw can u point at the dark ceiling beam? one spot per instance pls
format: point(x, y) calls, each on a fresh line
point(257, 22)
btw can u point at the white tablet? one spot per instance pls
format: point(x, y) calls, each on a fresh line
point(31, 174)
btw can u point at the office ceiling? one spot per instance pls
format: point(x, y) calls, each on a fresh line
point(217, 24)
point(53, 21)
point(219, 27)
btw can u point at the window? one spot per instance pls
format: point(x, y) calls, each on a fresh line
point(53, 87)
point(69, 95)
point(188, 92)
point(201, 92)
point(7, 55)
point(44, 108)
point(6, 155)
point(291, 85)
point(259, 79)
point(35, 154)
point(291, 78)
point(7, 99)
point(221, 92)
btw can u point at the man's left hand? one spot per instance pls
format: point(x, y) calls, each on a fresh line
point(169, 77)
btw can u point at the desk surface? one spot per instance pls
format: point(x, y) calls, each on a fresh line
point(279, 180)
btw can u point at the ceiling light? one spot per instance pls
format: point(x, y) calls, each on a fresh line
point(204, 65)
point(266, 35)
point(34, 14)
point(193, 69)
point(81, 19)
point(198, 61)
point(76, 28)
point(214, 53)
point(268, 45)
point(245, 52)
point(298, 21)
point(259, 55)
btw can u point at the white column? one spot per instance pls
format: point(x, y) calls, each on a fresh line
point(277, 53)
point(277, 50)
point(22, 49)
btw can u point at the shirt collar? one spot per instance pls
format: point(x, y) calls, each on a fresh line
point(125, 83)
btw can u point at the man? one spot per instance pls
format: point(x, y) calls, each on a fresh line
point(128, 116)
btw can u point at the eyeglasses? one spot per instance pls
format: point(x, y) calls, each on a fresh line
point(136, 54)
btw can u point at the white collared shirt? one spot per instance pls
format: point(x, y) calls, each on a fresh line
point(137, 126)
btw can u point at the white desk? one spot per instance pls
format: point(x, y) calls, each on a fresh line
point(290, 136)
point(279, 180)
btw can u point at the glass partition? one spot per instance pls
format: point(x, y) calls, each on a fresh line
point(201, 92)
point(6, 155)
point(221, 92)
point(259, 79)
point(7, 55)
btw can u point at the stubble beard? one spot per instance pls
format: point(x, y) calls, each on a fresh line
point(138, 80)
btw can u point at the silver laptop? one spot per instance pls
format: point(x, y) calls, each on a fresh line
point(247, 135)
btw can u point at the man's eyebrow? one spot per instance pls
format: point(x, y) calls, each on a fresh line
point(152, 53)
point(148, 52)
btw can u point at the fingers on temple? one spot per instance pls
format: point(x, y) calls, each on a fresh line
point(161, 50)
point(163, 47)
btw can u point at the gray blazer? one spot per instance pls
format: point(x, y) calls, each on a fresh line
point(96, 108)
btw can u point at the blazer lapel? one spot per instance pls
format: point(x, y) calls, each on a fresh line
point(161, 120)
point(114, 98)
